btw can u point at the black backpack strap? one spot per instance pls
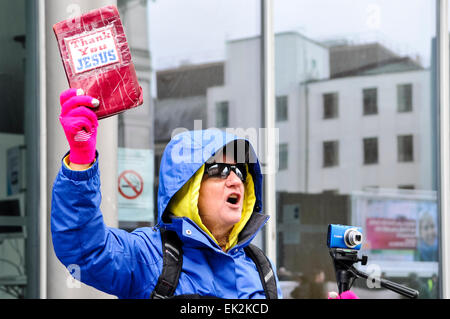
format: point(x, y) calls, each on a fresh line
point(172, 264)
point(265, 270)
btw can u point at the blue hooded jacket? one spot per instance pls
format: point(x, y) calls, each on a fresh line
point(128, 264)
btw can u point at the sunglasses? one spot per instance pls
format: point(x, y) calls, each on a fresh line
point(223, 170)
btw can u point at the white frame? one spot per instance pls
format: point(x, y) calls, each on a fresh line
point(268, 112)
point(442, 80)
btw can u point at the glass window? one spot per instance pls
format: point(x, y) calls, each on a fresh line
point(406, 187)
point(222, 114)
point(405, 148)
point(367, 166)
point(370, 103)
point(330, 153)
point(370, 150)
point(404, 97)
point(281, 108)
point(14, 244)
point(136, 150)
point(330, 105)
point(207, 68)
point(283, 156)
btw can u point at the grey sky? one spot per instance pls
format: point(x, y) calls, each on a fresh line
point(195, 31)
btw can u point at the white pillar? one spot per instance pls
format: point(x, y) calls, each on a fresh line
point(268, 94)
point(56, 82)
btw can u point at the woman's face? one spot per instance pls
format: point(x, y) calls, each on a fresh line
point(428, 230)
point(217, 211)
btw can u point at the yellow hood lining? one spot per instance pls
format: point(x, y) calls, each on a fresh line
point(184, 204)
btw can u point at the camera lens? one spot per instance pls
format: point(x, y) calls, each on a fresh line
point(352, 237)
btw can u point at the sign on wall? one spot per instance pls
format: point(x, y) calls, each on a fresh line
point(135, 184)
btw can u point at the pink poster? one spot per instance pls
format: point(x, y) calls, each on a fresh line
point(388, 233)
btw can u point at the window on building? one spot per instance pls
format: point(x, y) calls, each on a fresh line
point(406, 187)
point(330, 105)
point(330, 153)
point(222, 114)
point(282, 156)
point(370, 146)
point(370, 188)
point(281, 108)
point(404, 98)
point(370, 101)
point(405, 148)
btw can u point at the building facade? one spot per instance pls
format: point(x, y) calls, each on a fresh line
point(348, 151)
point(320, 112)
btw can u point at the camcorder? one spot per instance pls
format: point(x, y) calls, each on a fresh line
point(344, 243)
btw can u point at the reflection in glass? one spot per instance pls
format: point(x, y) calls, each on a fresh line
point(281, 108)
point(370, 150)
point(361, 142)
point(283, 156)
point(13, 253)
point(404, 97)
point(330, 153)
point(222, 114)
point(330, 105)
point(355, 119)
point(370, 101)
point(405, 148)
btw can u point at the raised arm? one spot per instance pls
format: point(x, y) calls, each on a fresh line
point(112, 260)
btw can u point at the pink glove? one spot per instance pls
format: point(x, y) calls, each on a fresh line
point(345, 295)
point(79, 124)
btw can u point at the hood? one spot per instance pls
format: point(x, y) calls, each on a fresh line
point(181, 169)
point(184, 204)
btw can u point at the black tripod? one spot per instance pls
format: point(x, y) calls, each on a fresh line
point(346, 273)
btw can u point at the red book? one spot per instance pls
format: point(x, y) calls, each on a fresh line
point(97, 59)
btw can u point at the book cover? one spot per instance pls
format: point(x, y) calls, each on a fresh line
point(96, 58)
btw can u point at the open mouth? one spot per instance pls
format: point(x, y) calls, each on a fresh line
point(233, 199)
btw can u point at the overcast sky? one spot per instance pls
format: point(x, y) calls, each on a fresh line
point(196, 31)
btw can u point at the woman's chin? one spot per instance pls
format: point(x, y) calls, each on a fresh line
point(233, 215)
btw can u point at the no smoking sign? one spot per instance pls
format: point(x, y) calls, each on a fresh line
point(131, 184)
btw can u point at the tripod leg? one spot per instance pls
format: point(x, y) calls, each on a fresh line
point(345, 280)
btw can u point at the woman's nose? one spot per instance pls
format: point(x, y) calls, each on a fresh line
point(233, 179)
